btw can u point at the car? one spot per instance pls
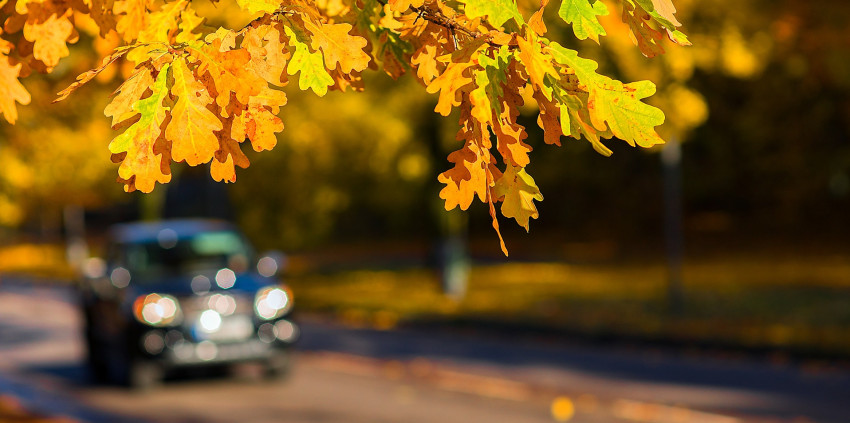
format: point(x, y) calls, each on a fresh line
point(183, 293)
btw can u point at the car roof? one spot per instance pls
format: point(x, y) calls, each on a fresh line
point(140, 232)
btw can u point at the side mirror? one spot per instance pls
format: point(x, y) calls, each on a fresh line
point(271, 263)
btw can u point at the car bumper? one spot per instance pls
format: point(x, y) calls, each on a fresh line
point(175, 349)
point(208, 352)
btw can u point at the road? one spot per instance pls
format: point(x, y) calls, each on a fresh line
point(353, 375)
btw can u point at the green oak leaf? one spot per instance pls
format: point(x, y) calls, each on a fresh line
point(613, 103)
point(497, 11)
point(490, 80)
point(314, 75)
point(583, 17)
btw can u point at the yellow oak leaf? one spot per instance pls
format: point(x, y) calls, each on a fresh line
point(255, 6)
point(49, 35)
point(448, 84)
point(517, 190)
point(425, 61)
point(11, 90)
point(309, 64)
point(189, 21)
point(132, 16)
point(121, 106)
point(192, 123)
point(537, 64)
point(268, 53)
point(338, 46)
point(141, 166)
point(666, 9)
point(161, 24)
point(403, 5)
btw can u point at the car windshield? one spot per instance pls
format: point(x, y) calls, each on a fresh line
point(199, 252)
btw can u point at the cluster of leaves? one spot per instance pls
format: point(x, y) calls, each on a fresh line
point(197, 93)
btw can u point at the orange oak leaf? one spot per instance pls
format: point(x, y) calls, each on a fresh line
point(227, 70)
point(259, 122)
point(192, 123)
point(536, 22)
point(510, 136)
point(228, 156)
point(466, 180)
point(548, 119)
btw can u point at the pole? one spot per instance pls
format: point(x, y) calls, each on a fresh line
point(671, 161)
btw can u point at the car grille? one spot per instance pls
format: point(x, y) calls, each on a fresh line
point(233, 323)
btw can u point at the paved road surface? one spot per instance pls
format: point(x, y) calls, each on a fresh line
point(360, 375)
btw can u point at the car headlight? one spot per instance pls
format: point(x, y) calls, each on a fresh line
point(157, 310)
point(272, 302)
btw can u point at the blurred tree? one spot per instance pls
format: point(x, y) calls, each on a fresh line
point(195, 92)
point(773, 151)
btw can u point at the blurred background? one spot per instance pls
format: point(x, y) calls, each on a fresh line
point(729, 243)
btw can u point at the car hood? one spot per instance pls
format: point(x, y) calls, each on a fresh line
point(181, 285)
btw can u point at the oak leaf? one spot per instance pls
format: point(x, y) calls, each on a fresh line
point(228, 156)
point(309, 64)
point(489, 80)
point(255, 6)
point(517, 191)
point(537, 65)
point(403, 5)
point(466, 179)
point(259, 121)
point(49, 31)
point(121, 106)
point(11, 90)
point(338, 47)
point(497, 11)
point(613, 102)
point(192, 124)
point(141, 166)
point(583, 15)
point(268, 53)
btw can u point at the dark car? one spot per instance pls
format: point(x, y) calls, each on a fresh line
point(183, 293)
